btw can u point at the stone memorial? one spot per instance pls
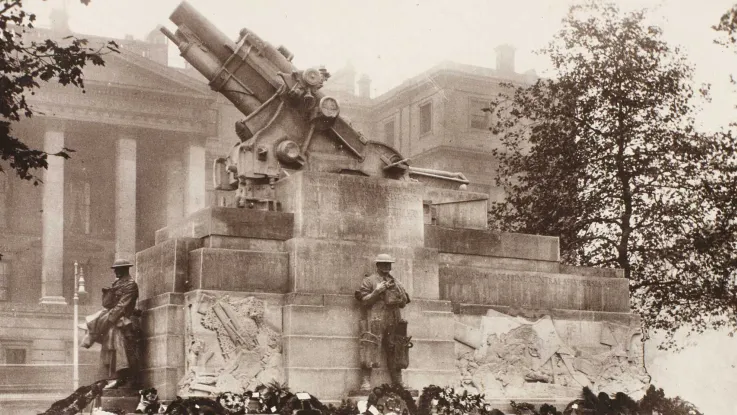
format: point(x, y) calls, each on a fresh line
point(265, 290)
point(235, 297)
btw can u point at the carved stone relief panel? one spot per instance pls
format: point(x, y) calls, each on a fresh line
point(507, 357)
point(231, 345)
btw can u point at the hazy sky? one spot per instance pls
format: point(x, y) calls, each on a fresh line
point(392, 40)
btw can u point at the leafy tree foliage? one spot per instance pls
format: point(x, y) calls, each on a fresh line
point(727, 29)
point(655, 400)
point(23, 66)
point(728, 26)
point(605, 156)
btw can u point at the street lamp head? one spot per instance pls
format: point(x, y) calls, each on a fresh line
point(80, 282)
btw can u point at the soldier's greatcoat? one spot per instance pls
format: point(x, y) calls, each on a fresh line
point(120, 326)
point(386, 307)
point(381, 314)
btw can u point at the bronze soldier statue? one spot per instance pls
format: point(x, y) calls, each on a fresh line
point(381, 326)
point(118, 329)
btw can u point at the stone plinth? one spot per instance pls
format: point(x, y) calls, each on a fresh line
point(240, 223)
point(164, 342)
point(458, 209)
point(321, 339)
point(492, 244)
point(536, 290)
point(238, 270)
point(122, 399)
point(236, 297)
point(164, 268)
point(354, 208)
point(337, 267)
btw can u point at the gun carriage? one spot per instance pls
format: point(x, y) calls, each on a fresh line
point(289, 124)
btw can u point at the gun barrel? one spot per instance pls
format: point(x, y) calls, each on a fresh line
point(171, 36)
point(246, 79)
point(212, 39)
point(220, 45)
point(439, 174)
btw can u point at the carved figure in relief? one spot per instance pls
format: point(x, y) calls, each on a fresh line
point(381, 326)
point(511, 354)
point(249, 349)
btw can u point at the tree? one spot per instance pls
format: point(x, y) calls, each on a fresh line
point(655, 400)
point(605, 156)
point(23, 65)
point(728, 26)
point(727, 29)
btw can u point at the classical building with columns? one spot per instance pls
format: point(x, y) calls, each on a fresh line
point(144, 135)
point(140, 132)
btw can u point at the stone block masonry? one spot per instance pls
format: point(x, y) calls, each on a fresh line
point(234, 297)
point(354, 208)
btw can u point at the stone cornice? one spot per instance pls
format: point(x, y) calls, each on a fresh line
point(450, 69)
point(109, 88)
point(130, 107)
point(170, 73)
point(9, 310)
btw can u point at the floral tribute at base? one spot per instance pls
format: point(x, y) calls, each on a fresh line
point(276, 398)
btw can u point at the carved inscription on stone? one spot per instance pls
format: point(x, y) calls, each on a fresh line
point(473, 285)
point(230, 346)
point(513, 357)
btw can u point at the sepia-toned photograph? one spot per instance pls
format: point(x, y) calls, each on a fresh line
point(378, 207)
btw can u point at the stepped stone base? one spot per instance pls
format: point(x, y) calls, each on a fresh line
point(235, 297)
point(124, 398)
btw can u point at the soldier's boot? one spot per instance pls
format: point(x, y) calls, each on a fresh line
point(125, 378)
point(396, 378)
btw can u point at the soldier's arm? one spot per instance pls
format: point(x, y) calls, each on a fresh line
point(128, 294)
point(367, 294)
point(406, 296)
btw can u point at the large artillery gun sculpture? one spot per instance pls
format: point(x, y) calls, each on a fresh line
point(289, 124)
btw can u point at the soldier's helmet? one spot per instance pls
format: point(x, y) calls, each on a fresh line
point(121, 263)
point(384, 258)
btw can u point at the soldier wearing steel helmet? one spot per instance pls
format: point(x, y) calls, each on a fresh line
point(382, 328)
point(120, 329)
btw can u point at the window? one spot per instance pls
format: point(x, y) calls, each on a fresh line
point(15, 356)
point(389, 133)
point(14, 352)
point(425, 118)
point(480, 114)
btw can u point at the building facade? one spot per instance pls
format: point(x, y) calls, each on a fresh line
point(144, 135)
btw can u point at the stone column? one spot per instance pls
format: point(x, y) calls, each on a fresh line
point(52, 218)
point(174, 189)
point(196, 178)
point(125, 198)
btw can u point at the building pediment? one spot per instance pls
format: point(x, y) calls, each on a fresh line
point(126, 69)
point(133, 91)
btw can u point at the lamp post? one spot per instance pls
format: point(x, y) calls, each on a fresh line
point(78, 289)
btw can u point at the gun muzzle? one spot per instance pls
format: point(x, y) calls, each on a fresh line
point(170, 36)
